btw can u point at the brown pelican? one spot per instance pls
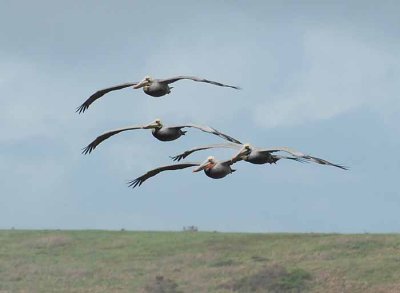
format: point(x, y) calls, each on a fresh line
point(255, 155)
point(159, 131)
point(213, 169)
point(152, 87)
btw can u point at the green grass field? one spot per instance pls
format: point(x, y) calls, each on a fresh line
point(105, 261)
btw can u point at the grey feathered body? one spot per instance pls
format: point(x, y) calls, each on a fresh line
point(219, 170)
point(167, 133)
point(157, 89)
point(256, 157)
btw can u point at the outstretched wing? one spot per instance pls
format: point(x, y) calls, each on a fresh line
point(173, 79)
point(303, 156)
point(104, 136)
point(138, 181)
point(82, 108)
point(188, 152)
point(297, 159)
point(210, 130)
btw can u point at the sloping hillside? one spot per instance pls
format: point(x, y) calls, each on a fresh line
point(104, 261)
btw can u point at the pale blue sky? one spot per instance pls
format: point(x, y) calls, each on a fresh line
point(318, 76)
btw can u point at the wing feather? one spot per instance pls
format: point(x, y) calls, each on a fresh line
point(212, 131)
point(139, 181)
point(303, 156)
point(195, 149)
point(104, 136)
point(194, 78)
point(82, 108)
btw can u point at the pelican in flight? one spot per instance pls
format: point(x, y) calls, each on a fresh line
point(255, 155)
point(152, 87)
point(159, 131)
point(211, 167)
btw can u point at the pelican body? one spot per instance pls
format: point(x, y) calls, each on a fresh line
point(167, 133)
point(215, 169)
point(253, 155)
point(211, 167)
point(260, 156)
point(151, 87)
point(154, 88)
point(159, 131)
point(160, 87)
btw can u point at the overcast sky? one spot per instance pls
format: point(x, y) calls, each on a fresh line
point(318, 76)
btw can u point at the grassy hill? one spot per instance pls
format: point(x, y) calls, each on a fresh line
point(104, 261)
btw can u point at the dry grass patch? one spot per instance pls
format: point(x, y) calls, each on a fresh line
point(51, 241)
point(336, 281)
point(118, 244)
point(394, 288)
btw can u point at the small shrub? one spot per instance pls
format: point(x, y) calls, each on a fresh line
point(258, 258)
point(273, 278)
point(191, 229)
point(295, 280)
point(162, 285)
point(223, 263)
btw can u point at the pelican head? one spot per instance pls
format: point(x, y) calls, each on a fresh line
point(243, 153)
point(156, 124)
point(207, 164)
point(147, 80)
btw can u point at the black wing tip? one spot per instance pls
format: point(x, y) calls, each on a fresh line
point(175, 158)
point(82, 108)
point(324, 162)
point(88, 149)
point(224, 136)
point(134, 183)
point(178, 158)
point(343, 167)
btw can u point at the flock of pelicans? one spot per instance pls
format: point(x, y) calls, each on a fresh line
point(212, 168)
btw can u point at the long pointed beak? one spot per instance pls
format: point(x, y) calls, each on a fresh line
point(202, 166)
point(240, 155)
point(141, 84)
point(150, 126)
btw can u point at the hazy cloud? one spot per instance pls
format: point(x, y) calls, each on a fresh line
point(340, 74)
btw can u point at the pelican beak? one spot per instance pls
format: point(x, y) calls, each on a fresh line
point(203, 166)
point(152, 125)
point(143, 83)
point(241, 154)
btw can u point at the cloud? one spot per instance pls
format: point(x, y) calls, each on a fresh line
point(340, 74)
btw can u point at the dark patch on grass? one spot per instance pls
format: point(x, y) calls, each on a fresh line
point(274, 278)
point(258, 258)
point(223, 263)
point(162, 285)
point(352, 246)
point(363, 245)
point(295, 280)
